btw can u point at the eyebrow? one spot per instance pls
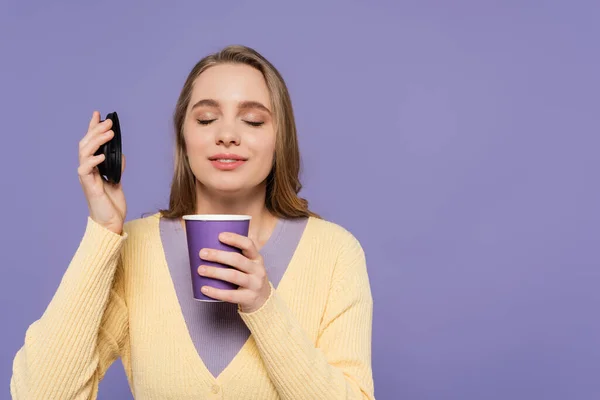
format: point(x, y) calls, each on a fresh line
point(243, 105)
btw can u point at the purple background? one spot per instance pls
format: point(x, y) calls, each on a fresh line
point(458, 140)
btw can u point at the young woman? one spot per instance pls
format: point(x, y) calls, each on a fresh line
point(298, 327)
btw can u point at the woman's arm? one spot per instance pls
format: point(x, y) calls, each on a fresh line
point(339, 366)
point(83, 330)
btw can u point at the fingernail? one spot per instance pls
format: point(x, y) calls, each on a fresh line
point(204, 289)
point(202, 269)
point(203, 253)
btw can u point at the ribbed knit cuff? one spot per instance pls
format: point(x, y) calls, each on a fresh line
point(260, 322)
point(95, 231)
point(262, 308)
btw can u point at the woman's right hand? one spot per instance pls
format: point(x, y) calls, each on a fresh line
point(106, 201)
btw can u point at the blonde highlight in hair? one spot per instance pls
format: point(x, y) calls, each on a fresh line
point(283, 182)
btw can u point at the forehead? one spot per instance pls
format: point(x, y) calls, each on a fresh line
point(231, 83)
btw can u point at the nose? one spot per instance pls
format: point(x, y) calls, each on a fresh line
point(227, 136)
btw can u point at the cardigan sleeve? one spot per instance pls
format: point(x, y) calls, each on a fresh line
point(83, 329)
point(338, 366)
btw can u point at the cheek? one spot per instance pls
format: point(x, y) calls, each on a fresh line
point(263, 144)
point(196, 143)
point(264, 151)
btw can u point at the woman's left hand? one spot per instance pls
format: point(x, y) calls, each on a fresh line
point(248, 273)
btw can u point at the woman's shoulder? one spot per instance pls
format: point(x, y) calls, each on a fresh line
point(142, 227)
point(338, 246)
point(335, 234)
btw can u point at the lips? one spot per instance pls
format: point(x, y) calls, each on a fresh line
point(227, 162)
point(227, 157)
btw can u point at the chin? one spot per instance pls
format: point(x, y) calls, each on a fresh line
point(227, 184)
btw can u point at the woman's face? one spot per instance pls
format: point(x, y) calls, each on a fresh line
point(229, 130)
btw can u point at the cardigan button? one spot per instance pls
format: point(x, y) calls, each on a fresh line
point(215, 389)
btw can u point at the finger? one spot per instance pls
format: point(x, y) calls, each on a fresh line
point(233, 259)
point(243, 243)
point(98, 129)
point(228, 275)
point(94, 144)
point(228, 295)
point(122, 163)
point(88, 166)
point(95, 120)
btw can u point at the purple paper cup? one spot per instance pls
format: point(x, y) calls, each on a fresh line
point(202, 231)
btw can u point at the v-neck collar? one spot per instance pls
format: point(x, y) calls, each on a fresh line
point(247, 351)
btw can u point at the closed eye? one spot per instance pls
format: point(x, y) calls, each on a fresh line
point(252, 123)
point(205, 121)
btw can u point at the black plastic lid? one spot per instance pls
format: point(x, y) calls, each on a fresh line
point(110, 168)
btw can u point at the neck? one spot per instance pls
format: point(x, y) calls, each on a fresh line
point(248, 203)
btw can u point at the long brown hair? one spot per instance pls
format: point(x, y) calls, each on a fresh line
point(283, 182)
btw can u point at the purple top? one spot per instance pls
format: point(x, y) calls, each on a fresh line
point(216, 329)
